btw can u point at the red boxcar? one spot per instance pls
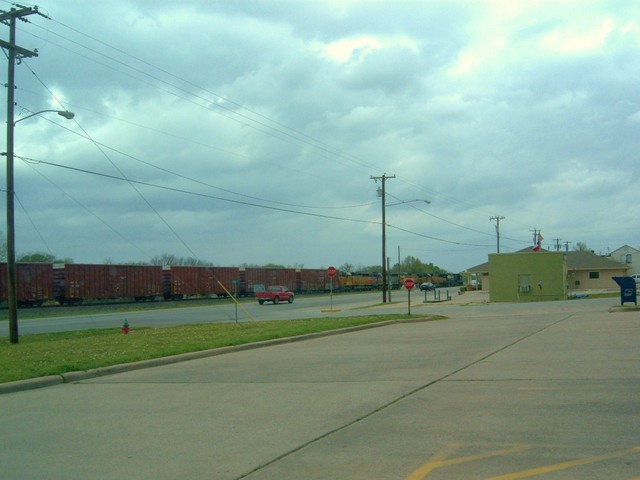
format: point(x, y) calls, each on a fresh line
point(78, 282)
point(257, 279)
point(315, 280)
point(34, 283)
point(187, 281)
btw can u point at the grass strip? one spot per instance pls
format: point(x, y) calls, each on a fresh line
point(39, 355)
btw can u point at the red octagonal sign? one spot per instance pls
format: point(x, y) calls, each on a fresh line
point(332, 272)
point(409, 283)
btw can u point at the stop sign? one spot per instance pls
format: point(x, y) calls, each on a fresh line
point(332, 272)
point(409, 283)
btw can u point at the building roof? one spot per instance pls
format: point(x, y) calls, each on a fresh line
point(483, 267)
point(591, 261)
point(575, 261)
point(625, 249)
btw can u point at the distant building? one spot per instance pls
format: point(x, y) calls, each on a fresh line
point(629, 256)
point(534, 276)
point(588, 271)
point(477, 278)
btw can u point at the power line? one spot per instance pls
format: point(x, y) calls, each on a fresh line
point(220, 104)
point(213, 106)
point(87, 209)
point(200, 182)
point(197, 194)
point(249, 204)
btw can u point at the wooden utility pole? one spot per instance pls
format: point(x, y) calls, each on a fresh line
point(497, 218)
point(383, 179)
point(13, 52)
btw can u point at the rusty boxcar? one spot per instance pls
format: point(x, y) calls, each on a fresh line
point(191, 281)
point(75, 283)
point(256, 279)
point(34, 283)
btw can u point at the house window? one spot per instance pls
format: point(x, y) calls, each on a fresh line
point(627, 258)
point(594, 275)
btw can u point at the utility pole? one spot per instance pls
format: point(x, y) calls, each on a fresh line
point(535, 236)
point(389, 276)
point(14, 51)
point(497, 219)
point(398, 266)
point(557, 240)
point(382, 192)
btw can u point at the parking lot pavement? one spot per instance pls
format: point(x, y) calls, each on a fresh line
point(506, 393)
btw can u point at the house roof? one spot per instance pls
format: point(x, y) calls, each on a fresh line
point(591, 261)
point(483, 267)
point(575, 261)
point(625, 249)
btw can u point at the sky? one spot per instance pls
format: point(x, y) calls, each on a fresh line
point(258, 132)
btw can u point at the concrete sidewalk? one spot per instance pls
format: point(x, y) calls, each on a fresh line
point(510, 387)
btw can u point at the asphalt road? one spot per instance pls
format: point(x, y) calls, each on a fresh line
point(498, 391)
point(304, 306)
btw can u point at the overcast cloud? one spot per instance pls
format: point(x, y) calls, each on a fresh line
point(250, 130)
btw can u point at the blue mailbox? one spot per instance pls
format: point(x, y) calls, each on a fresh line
point(627, 289)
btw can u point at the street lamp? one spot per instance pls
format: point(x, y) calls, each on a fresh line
point(12, 294)
point(63, 113)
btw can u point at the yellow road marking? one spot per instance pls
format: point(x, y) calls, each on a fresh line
point(440, 459)
point(563, 466)
point(425, 469)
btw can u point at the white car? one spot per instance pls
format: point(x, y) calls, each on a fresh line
point(636, 277)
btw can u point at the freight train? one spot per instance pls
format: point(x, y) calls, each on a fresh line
point(70, 284)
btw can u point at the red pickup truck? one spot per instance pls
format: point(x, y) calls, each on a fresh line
point(275, 294)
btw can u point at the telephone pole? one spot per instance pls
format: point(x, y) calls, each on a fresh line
point(383, 179)
point(535, 235)
point(497, 219)
point(13, 52)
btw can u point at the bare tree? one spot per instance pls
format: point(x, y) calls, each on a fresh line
point(581, 247)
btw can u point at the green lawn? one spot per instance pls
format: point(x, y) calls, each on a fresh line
point(54, 353)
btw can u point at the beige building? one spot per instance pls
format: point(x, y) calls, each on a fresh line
point(629, 256)
point(585, 271)
point(588, 271)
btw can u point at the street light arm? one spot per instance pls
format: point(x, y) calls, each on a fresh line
point(63, 113)
point(409, 201)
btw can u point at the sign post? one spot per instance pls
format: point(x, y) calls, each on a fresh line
point(331, 272)
point(409, 283)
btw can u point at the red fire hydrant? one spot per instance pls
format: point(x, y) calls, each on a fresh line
point(125, 328)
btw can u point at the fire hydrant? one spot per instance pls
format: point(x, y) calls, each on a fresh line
point(125, 328)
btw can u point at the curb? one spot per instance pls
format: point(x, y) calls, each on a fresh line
point(71, 377)
point(624, 308)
